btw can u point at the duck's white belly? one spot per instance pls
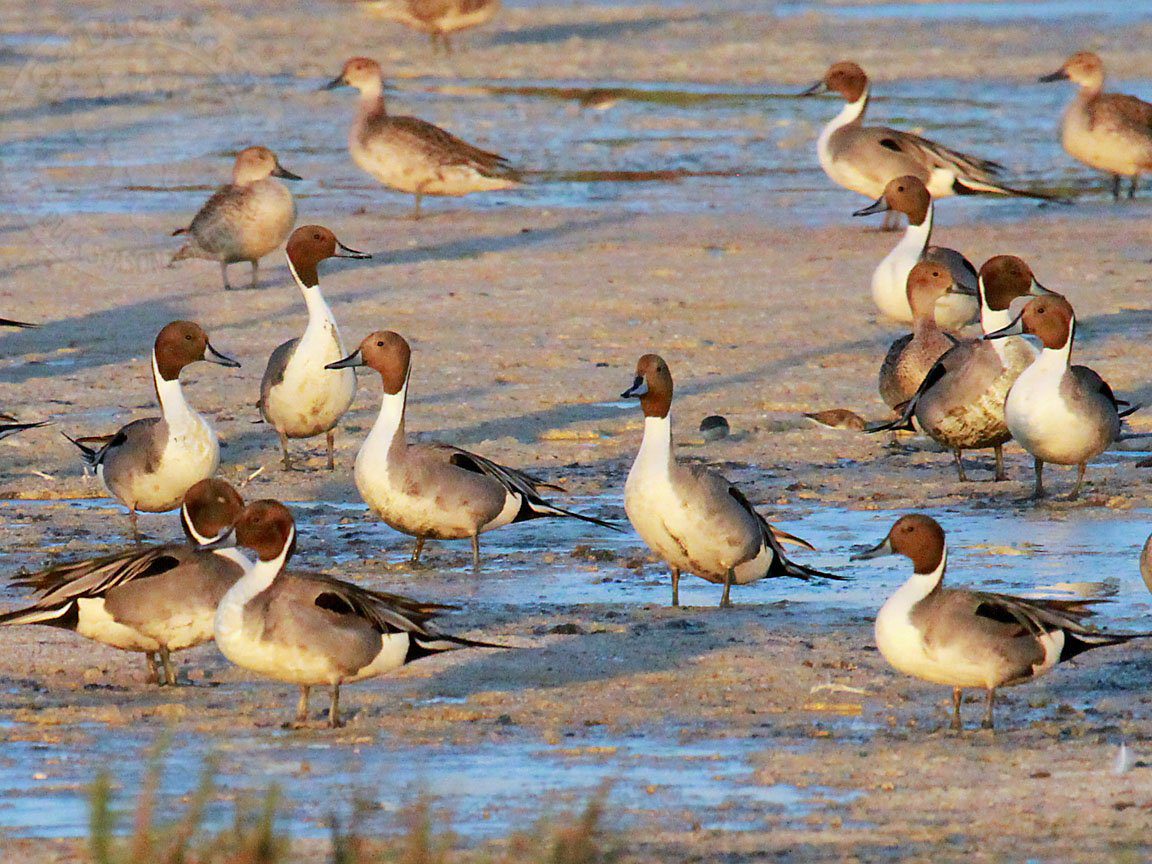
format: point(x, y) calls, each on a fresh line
point(191, 454)
point(410, 169)
point(1041, 423)
point(94, 622)
point(245, 646)
point(1100, 147)
point(902, 645)
point(310, 400)
point(403, 508)
point(191, 627)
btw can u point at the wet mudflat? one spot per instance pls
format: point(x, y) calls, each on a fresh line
point(666, 222)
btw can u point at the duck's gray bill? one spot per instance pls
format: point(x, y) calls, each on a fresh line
point(352, 253)
point(639, 388)
point(283, 173)
point(1016, 328)
point(214, 356)
point(338, 81)
point(1038, 290)
point(815, 90)
point(880, 205)
point(884, 547)
point(350, 362)
point(1058, 75)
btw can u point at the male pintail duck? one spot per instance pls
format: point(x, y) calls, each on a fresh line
point(963, 638)
point(9, 425)
point(960, 402)
point(910, 357)
point(866, 158)
point(890, 278)
point(1058, 412)
point(689, 515)
point(1110, 132)
point(23, 325)
point(245, 220)
point(155, 600)
point(435, 490)
point(311, 629)
point(410, 154)
point(437, 18)
point(149, 464)
point(298, 396)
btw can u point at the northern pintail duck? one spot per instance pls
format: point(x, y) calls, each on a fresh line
point(689, 515)
point(435, 490)
point(438, 18)
point(1110, 132)
point(245, 220)
point(155, 600)
point(910, 357)
point(960, 402)
point(1060, 413)
point(298, 396)
point(954, 309)
point(149, 464)
point(963, 638)
point(866, 158)
point(410, 154)
point(311, 629)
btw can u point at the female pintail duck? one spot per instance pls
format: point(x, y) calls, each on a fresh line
point(410, 154)
point(1110, 132)
point(690, 516)
point(311, 629)
point(155, 600)
point(1058, 412)
point(954, 309)
point(149, 464)
point(963, 638)
point(910, 357)
point(960, 402)
point(437, 18)
point(865, 158)
point(245, 220)
point(298, 396)
point(435, 490)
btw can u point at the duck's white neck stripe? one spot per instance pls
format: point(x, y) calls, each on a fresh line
point(920, 585)
point(389, 426)
point(260, 574)
point(656, 447)
point(173, 406)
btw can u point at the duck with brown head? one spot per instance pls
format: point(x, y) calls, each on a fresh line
point(299, 398)
point(963, 638)
point(690, 516)
point(1110, 132)
point(155, 600)
point(960, 402)
point(435, 491)
point(866, 158)
point(410, 154)
point(954, 309)
point(310, 629)
point(1060, 413)
point(149, 464)
point(245, 220)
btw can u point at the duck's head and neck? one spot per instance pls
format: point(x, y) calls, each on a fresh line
point(653, 387)
point(907, 195)
point(927, 282)
point(180, 344)
point(1003, 279)
point(267, 529)
point(365, 75)
point(1084, 69)
point(1051, 319)
point(256, 163)
point(851, 82)
point(209, 512)
point(390, 355)
point(306, 248)
point(920, 539)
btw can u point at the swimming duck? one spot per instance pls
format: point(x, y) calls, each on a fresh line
point(955, 309)
point(964, 638)
point(435, 490)
point(299, 398)
point(689, 515)
point(410, 154)
point(155, 600)
point(1060, 413)
point(312, 629)
point(245, 220)
point(151, 463)
point(1110, 132)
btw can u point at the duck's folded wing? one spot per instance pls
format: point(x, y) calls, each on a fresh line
point(937, 155)
point(513, 480)
point(96, 577)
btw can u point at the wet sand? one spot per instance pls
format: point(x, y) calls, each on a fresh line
point(526, 322)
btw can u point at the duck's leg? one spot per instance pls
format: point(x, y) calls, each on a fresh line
point(153, 676)
point(334, 708)
point(725, 599)
point(302, 705)
point(416, 210)
point(1115, 187)
point(416, 551)
point(434, 40)
point(285, 458)
point(958, 456)
point(224, 275)
point(988, 724)
point(957, 698)
point(134, 518)
point(999, 451)
point(169, 669)
point(1038, 492)
point(675, 586)
point(476, 553)
point(1080, 469)
point(255, 274)
point(1134, 186)
point(331, 449)
point(447, 40)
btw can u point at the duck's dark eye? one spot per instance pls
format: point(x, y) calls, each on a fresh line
point(317, 237)
point(379, 344)
point(188, 336)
